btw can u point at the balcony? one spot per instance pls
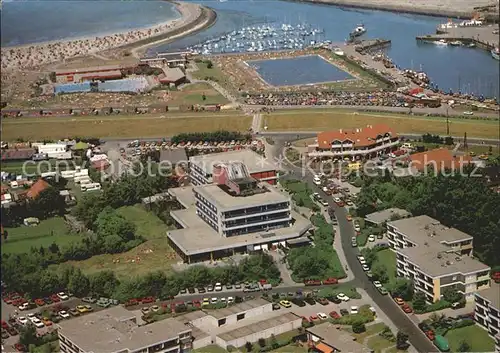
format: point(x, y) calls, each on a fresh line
point(352, 151)
point(483, 278)
point(266, 211)
point(257, 222)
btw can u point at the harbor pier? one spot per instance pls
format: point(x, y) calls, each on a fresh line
point(372, 44)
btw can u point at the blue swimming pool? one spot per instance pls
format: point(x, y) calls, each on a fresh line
point(301, 70)
point(72, 87)
point(139, 84)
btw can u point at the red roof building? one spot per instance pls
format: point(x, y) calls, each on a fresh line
point(439, 159)
point(359, 143)
point(37, 188)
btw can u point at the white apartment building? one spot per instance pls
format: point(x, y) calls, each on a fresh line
point(436, 257)
point(361, 143)
point(487, 312)
point(52, 150)
point(115, 330)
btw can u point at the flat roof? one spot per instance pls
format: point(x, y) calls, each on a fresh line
point(258, 327)
point(237, 308)
point(385, 215)
point(173, 73)
point(337, 338)
point(112, 330)
point(254, 161)
point(188, 317)
point(435, 261)
point(225, 201)
point(112, 73)
point(424, 229)
point(198, 237)
point(492, 295)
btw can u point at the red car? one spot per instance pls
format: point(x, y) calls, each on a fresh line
point(20, 347)
point(323, 301)
point(131, 302)
point(5, 325)
point(7, 300)
point(39, 302)
point(330, 280)
point(313, 318)
point(334, 315)
point(430, 335)
point(147, 300)
point(495, 276)
point(407, 309)
point(55, 298)
point(196, 303)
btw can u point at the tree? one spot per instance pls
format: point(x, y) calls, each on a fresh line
point(27, 336)
point(448, 140)
point(262, 342)
point(48, 203)
point(379, 272)
point(274, 341)
point(419, 301)
point(451, 295)
point(78, 283)
point(203, 97)
point(464, 346)
point(209, 64)
point(104, 283)
point(248, 346)
point(401, 341)
point(358, 327)
point(402, 288)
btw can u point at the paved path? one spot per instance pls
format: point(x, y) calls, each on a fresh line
point(256, 123)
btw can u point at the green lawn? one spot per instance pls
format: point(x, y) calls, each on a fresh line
point(340, 288)
point(370, 330)
point(34, 168)
point(388, 258)
point(477, 338)
point(300, 191)
point(378, 344)
point(148, 225)
point(291, 348)
point(214, 73)
point(213, 348)
point(22, 238)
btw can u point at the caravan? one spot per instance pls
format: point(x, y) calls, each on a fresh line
point(83, 179)
point(90, 187)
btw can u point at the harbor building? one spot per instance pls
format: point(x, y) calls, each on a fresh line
point(360, 143)
point(235, 214)
point(202, 166)
point(487, 312)
point(116, 330)
point(436, 257)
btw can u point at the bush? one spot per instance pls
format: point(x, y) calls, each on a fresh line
point(387, 334)
point(463, 323)
point(358, 327)
point(439, 305)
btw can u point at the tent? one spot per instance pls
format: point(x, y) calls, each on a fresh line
point(80, 146)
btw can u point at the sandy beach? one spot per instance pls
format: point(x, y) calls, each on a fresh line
point(452, 8)
point(34, 56)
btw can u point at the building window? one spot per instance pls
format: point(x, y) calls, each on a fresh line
point(222, 322)
point(240, 317)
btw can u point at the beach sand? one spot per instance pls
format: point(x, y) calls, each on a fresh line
point(35, 56)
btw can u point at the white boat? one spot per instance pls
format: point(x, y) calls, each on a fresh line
point(441, 42)
point(456, 43)
point(495, 53)
point(358, 31)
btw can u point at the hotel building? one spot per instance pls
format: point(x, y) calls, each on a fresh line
point(487, 312)
point(361, 143)
point(202, 166)
point(115, 330)
point(236, 213)
point(436, 257)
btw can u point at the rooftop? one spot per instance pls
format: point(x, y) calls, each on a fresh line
point(172, 74)
point(364, 136)
point(258, 327)
point(254, 162)
point(337, 338)
point(492, 295)
point(16, 154)
point(35, 189)
point(424, 229)
point(440, 158)
point(81, 70)
point(225, 201)
point(385, 215)
point(433, 260)
point(112, 330)
point(237, 308)
point(190, 316)
point(198, 237)
point(174, 156)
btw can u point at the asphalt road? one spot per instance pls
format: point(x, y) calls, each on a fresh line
point(386, 303)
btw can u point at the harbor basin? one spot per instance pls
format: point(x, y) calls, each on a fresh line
point(302, 70)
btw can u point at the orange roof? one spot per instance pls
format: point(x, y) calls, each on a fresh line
point(37, 188)
point(323, 348)
point(440, 157)
point(364, 136)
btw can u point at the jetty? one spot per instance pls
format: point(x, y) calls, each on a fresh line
point(484, 37)
point(365, 46)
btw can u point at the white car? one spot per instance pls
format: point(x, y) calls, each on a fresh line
point(361, 260)
point(377, 284)
point(354, 310)
point(365, 268)
point(324, 203)
point(357, 228)
point(63, 314)
point(214, 300)
point(230, 300)
point(24, 306)
point(371, 238)
point(37, 322)
point(62, 296)
point(322, 316)
point(218, 287)
point(22, 320)
point(31, 316)
point(372, 309)
point(336, 199)
point(223, 300)
point(392, 155)
point(343, 297)
point(468, 113)
point(317, 180)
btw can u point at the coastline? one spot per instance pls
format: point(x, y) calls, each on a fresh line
point(396, 6)
point(192, 17)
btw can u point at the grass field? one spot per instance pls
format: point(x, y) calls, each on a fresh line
point(213, 348)
point(388, 258)
point(213, 73)
point(122, 126)
point(475, 336)
point(51, 230)
point(153, 255)
point(322, 120)
point(193, 94)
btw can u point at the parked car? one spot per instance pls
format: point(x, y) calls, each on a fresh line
point(63, 314)
point(322, 316)
point(371, 238)
point(365, 267)
point(298, 302)
point(201, 290)
point(323, 301)
point(334, 315)
point(344, 312)
point(210, 288)
point(22, 320)
point(276, 306)
point(218, 287)
point(399, 301)
point(377, 284)
point(342, 297)
point(310, 301)
point(354, 310)
point(383, 291)
point(285, 303)
point(73, 312)
point(407, 309)
point(334, 300)
point(93, 300)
